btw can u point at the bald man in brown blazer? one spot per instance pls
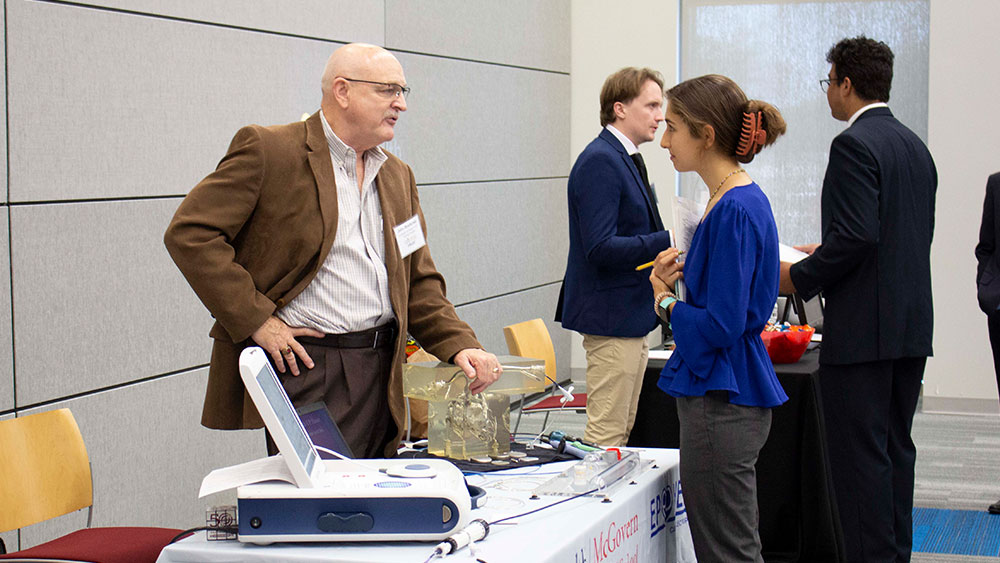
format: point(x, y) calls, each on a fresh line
point(291, 244)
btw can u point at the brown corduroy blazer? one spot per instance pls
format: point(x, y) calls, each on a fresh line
point(253, 234)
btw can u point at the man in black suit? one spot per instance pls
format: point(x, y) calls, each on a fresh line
point(988, 276)
point(873, 268)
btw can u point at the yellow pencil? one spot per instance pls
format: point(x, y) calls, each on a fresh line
point(650, 264)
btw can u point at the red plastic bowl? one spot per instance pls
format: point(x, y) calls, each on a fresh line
point(786, 347)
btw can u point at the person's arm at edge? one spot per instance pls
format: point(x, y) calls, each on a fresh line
point(987, 229)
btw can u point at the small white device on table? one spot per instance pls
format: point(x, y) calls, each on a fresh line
point(340, 500)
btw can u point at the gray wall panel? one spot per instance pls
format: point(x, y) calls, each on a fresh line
point(472, 121)
point(516, 239)
point(116, 103)
point(6, 341)
point(516, 32)
point(147, 472)
point(98, 301)
point(338, 20)
point(104, 104)
point(489, 317)
point(3, 107)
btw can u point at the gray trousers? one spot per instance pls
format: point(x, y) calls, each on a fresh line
point(719, 446)
point(353, 384)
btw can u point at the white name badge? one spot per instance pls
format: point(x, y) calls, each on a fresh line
point(409, 237)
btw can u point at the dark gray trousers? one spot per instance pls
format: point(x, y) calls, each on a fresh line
point(869, 413)
point(719, 447)
point(353, 383)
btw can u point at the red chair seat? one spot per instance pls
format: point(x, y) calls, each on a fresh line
point(102, 545)
point(579, 402)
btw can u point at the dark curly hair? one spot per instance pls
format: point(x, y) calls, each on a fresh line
point(868, 63)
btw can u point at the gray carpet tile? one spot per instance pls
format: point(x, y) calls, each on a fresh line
point(958, 461)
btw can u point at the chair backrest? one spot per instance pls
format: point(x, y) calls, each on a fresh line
point(44, 469)
point(531, 339)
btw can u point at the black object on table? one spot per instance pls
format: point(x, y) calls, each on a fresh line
point(798, 515)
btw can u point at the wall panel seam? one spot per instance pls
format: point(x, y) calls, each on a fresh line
point(508, 294)
point(490, 181)
point(190, 20)
point(26, 203)
point(19, 408)
point(287, 34)
point(478, 61)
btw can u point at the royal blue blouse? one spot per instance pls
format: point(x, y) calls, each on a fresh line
point(731, 276)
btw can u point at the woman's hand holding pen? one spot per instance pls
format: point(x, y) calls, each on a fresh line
point(667, 270)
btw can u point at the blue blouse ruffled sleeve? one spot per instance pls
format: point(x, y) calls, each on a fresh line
point(701, 332)
point(728, 274)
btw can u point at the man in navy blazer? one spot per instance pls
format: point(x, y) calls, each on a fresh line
point(614, 226)
point(873, 268)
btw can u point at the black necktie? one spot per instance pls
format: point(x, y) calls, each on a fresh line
point(641, 165)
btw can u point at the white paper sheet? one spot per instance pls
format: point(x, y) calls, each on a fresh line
point(266, 469)
point(789, 254)
point(687, 215)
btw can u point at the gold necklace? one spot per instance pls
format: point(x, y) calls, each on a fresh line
point(737, 171)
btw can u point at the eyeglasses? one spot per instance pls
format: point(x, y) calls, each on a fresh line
point(825, 83)
point(388, 89)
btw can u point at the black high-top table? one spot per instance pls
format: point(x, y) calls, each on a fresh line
point(798, 516)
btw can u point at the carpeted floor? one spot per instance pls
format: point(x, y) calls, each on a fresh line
point(957, 477)
point(958, 532)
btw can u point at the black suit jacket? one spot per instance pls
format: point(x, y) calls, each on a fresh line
point(988, 271)
point(874, 263)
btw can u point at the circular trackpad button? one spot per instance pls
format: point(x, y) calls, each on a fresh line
point(411, 471)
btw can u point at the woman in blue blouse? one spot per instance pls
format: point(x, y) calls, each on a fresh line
point(720, 372)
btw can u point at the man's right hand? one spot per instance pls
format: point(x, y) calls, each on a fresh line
point(278, 340)
point(807, 248)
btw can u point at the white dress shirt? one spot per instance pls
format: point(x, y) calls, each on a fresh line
point(858, 113)
point(350, 292)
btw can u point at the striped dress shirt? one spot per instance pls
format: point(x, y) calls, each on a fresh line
point(350, 292)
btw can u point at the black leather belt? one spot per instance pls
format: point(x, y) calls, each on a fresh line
point(377, 337)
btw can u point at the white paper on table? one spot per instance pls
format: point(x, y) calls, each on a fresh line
point(660, 354)
point(271, 468)
point(789, 254)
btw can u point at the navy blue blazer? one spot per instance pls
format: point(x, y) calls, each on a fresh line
point(612, 229)
point(874, 263)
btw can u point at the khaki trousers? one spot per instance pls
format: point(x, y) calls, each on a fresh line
point(615, 367)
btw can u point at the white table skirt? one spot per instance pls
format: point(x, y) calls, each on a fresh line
point(645, 521)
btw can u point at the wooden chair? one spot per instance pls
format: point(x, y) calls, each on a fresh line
point(530, 339)
point(44, 473)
